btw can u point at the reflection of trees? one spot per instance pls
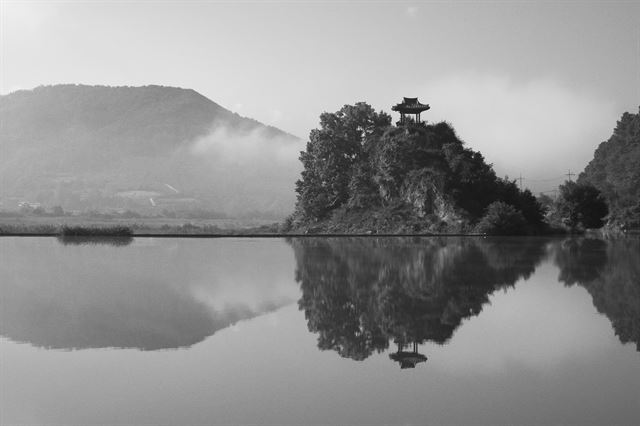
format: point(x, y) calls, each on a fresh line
point(359, 294)
point(610, 271)
point(581, 260)
point(75, 240)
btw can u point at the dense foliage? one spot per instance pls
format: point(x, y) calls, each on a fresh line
point(361, 174)
point(615, 171)
point(580, 205)
point(502, 219)
point(332, 152)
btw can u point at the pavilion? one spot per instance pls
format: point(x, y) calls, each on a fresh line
point(410, 110)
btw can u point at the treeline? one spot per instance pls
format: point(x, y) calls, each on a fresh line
point(362, 174)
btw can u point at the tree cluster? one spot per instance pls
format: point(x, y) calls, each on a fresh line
point(579, 206)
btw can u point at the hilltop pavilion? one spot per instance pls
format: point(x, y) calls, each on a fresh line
point(410, 110)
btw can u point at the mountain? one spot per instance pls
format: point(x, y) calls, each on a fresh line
point(150, 149)
point(615, 170)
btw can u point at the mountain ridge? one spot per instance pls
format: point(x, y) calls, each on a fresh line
point(79, 146)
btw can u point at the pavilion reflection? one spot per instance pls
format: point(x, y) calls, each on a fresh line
point(359, 294)
point(407, 359)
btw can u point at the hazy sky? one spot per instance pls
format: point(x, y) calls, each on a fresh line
point(535, 86)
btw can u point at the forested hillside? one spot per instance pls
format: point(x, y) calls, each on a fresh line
point(615, 171)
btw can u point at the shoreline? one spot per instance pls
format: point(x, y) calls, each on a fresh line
point(279, 235)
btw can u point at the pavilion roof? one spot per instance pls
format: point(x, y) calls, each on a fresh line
point(411, 105)
point(408, 359)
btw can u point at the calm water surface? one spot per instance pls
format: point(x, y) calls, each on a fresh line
point(442, 331)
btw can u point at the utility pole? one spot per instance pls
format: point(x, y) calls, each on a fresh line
point(570, 174)
point(520, 179)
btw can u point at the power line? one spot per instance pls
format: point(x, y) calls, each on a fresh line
point(564, 177)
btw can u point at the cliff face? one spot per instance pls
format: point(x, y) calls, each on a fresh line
point(97, 147)
point(615, 170)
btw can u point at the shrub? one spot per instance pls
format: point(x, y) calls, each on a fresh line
point(502, 219)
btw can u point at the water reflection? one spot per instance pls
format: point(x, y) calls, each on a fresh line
point(76, 240)
point(358, 295)
point(147, 295)
point(609, 270)
point(538, 354)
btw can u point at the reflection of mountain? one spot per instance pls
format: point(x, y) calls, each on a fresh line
point(610, 271)
point(358, 294)
point(167, 295)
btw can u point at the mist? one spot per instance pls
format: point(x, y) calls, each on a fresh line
point(538, 128)
point(259, 167)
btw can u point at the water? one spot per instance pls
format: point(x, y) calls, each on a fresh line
point(443, 331)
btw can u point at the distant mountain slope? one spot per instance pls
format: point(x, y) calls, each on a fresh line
point(144, 148)
point(615, 169)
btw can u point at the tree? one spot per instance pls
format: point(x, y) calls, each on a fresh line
point(472, 181)
point(507, 191)
point(581, 205)
point(502, 219)
point(332, 152)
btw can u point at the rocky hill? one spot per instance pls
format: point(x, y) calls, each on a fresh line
point(363, 174)
point(149, 149)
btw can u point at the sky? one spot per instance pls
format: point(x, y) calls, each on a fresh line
point(534, 86)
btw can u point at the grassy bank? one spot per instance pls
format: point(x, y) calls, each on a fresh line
point(151, 226)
